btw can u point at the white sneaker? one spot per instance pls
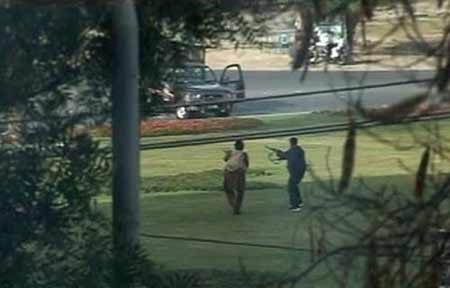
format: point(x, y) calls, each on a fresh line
point(298, 209)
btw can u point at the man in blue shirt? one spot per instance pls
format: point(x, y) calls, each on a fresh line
point(296, 166)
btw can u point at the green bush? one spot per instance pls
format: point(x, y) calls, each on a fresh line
point(47, 224)
point(51, 234)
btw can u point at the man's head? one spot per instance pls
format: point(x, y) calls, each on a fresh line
point(293, 141)
point(239, 144)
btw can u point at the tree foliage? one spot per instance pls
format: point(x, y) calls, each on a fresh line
point(53, 172)
point(71, 43)
point(43, 49)
point(51, 175)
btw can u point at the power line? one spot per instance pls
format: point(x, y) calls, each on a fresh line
point(223, 242)
point(308, 130)
point(283, 132)
point(302, 94)
point(357, 250)
point(235, 101)
point(316, 129)
point(248, 135)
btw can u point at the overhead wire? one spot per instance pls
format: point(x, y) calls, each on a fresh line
point(302, 94)
point(237, 101)
point(314, 129)
point(223, 242)
point(308, 130)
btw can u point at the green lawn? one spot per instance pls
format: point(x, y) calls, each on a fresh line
point(268, 122)
point(323, 151)
point(182, 196)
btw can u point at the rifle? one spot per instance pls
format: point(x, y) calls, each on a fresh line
point(274, 154)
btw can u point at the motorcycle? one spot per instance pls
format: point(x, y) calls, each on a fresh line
point(327, 47)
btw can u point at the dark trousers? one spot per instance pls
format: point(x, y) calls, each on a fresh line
point(295, 198)
point(234, 186)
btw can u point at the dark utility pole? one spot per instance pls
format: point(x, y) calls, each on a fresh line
point(125, 118)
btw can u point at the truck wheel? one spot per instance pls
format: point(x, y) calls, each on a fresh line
point(226, 111)
point(182, 113)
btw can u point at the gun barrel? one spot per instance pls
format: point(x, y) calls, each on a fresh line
point(272, 149)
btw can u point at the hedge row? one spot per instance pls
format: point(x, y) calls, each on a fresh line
point(163, 127)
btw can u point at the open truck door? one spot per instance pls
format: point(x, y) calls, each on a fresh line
point(233, 78)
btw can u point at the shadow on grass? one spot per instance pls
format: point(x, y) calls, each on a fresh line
point(211, 180)
point(409, 48)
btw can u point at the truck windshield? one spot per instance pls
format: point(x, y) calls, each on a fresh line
point(194, 74)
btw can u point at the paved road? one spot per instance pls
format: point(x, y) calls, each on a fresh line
point(263, 83)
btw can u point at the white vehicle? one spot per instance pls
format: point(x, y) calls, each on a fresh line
point(329, 43)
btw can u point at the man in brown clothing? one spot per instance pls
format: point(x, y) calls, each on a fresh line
point(236, 166)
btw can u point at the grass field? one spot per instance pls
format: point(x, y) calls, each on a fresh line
point(182, 195)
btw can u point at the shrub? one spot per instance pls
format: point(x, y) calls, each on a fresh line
point(51, 234)
point(47, 224)
point(163, 127)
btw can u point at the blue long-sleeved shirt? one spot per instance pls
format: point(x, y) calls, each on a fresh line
point(296, 163)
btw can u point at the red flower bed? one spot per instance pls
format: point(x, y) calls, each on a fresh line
point(162, 127)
